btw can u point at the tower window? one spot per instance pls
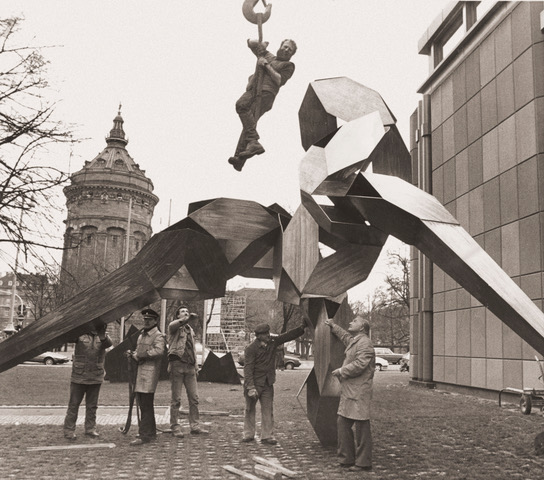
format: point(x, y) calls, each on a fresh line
point(115, 240)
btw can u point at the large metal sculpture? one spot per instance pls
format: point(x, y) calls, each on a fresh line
point(222, 238)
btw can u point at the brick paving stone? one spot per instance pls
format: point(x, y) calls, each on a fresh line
point(202, 457)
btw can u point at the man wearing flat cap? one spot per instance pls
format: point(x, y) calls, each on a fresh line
point(149, 352)
point(259, 378)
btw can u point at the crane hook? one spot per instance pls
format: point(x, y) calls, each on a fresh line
point(251, 16)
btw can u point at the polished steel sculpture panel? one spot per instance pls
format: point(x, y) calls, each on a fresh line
point(362, 167)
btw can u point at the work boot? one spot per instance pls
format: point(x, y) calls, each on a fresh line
point(137, 442)
point(237, 163)
point(176, 431)
point(252, 148)
point(69, 435)
point(92, 433)
point(199, 431)
point(269, 441)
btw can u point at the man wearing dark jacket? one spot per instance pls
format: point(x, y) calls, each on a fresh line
point(275, 71)
point(259, 378)
point(86, 380)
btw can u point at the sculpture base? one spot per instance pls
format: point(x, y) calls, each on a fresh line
point(422, 384)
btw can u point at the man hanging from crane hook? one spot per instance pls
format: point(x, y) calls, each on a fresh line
point(271, 73)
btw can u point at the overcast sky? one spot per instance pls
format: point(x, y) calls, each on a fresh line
point(178, 67)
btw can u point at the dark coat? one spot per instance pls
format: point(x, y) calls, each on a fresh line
point(88, 359)
point(260, 360)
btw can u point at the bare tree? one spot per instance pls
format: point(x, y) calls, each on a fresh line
point(27, 129)
point(40, 292)
point(388, 308)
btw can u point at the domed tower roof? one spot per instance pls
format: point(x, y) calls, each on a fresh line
point(114, 165)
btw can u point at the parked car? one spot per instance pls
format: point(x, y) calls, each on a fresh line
point(388, 354)
point(381, 364)
point(289, 361)
point(50, 358)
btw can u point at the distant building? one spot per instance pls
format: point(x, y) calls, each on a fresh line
point(34, 297)
point(483, 112)
point(241, 311)
point(110, 205)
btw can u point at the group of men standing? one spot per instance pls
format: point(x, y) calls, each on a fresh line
point(88, 374)
point(355, 377)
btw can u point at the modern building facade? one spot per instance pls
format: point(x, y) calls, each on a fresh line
point(477, 144)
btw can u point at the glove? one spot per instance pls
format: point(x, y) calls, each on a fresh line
point(252, 393)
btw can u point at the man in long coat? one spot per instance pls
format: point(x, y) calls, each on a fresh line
point(356, 376)
point(149, 352)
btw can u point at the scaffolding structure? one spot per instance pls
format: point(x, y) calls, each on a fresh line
point(232, 333)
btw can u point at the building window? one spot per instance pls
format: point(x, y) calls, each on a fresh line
point(115, 240)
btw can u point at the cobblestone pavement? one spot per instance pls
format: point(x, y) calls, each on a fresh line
point(193, 457)
point(418, 434)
